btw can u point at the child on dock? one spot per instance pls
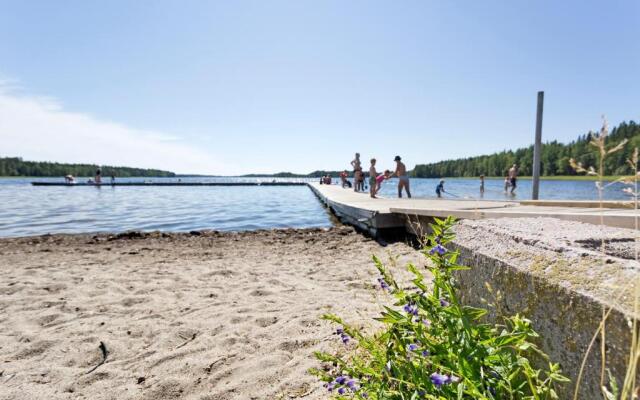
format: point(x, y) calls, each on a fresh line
point(373, 174)
point(380, 178)
point(343, 178)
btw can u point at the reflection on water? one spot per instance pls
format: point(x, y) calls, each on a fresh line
point(29, 210)
point(494, 189)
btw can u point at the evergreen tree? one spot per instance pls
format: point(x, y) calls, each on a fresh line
point(554, 158)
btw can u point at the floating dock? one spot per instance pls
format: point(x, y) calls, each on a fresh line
point(376, 215)
point(170, 184)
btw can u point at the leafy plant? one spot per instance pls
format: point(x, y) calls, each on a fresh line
point(433, 347)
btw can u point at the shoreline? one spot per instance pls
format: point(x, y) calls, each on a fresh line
point(542, 178)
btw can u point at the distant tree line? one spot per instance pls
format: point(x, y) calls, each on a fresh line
point(554, 158)
point(314, 174)
point(15, 166)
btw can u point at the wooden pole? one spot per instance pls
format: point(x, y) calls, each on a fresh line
point(537, 148)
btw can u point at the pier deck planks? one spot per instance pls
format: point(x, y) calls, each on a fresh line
point(372, 214)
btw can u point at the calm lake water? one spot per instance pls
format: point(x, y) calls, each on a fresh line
point(31, 210)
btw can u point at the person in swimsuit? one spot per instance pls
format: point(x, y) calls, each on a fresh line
point(380, 178)
point(357, 166)
point(343, 179)
point(440, 188)
point(403, 178)
point(358, 178)
point(373, 174)
point(513, 177)
point(98, 179)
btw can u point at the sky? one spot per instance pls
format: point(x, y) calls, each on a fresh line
point(233, 87)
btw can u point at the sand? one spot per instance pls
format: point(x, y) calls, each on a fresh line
point(195, 316)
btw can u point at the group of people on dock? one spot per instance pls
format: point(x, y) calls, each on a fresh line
point(97, 180)
point(375, 179)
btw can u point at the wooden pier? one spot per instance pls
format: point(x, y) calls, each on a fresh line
point(142, 183)
point(374, 215)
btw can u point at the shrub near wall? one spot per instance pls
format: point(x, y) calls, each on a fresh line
point(433, 347)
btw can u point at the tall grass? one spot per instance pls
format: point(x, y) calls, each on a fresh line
point(611, 390)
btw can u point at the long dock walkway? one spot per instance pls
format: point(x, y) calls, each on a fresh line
point(142, 183)
point(384, 213)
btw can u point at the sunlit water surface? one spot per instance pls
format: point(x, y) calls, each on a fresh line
point(32, 210)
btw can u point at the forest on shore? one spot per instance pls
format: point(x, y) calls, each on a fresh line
point(314, 174)
point(16, 166)
point(554, 159)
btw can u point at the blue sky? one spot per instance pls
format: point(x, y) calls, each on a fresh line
point(265, 86)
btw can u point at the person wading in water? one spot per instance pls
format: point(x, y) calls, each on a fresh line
point(403, 178)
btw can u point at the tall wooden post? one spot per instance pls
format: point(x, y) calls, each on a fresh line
point(537, 148)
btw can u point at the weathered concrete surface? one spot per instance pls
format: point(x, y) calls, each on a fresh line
point(553, 272)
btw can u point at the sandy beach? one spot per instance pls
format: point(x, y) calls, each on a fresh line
point(204, 315)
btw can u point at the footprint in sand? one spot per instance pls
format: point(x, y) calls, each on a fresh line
point(34, 349)
point(266, 321)
point(47, 319)
point(261, 293)
point(294, 345)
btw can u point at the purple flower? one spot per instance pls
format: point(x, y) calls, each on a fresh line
point(426, 322)
point(345, 338)
point(438, 249)
point(410, 309)
point(342, 390)
point(353, 385)
point(339, 331)
point(412, 347)
point(439, 380)
point(330, 386)
point(425, 353)
point(383, 284)
point(341, 379)
point(444, 303)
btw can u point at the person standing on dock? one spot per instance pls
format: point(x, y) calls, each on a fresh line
point(373, 174)
point(513, 177)
point(403, 178)
point(358, 178)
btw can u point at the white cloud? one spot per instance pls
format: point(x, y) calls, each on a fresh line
point(38, 128)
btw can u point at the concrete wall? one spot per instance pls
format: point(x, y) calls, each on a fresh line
point(566, 320)
point(542, 269)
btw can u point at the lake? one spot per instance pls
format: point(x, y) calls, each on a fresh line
point(29, 210)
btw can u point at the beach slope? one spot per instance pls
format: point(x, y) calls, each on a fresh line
point(204, 315)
